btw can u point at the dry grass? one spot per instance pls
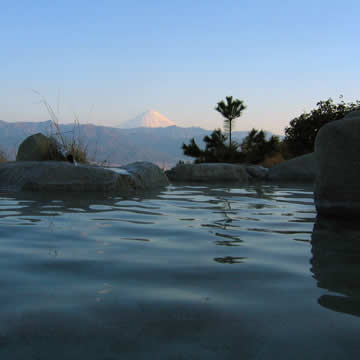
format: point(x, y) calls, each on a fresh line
point(273, 159)
point(3, 157)
point(71, 143)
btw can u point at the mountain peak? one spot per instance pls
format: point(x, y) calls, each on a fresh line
point(149, 119)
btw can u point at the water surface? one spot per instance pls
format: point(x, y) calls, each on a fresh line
point(189, 272)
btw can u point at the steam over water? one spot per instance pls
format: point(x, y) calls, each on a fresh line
point(191, 272)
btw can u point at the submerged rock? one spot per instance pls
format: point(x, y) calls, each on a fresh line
point(64, 176)
point(337, 151)
point(209, 172)
point(257, 172)
point(300, 169)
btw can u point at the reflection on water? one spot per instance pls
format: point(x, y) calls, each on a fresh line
point(230, 260)
point(336, 264)
point(189, 272)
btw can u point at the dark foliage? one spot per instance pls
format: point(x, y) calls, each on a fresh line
point(230, 110)
point(216, 149)
point(300, 135)
point(255, 146)
point(192, 149)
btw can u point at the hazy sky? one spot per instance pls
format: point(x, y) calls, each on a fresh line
point(107, 61)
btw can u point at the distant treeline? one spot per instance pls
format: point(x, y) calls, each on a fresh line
point(256, 148)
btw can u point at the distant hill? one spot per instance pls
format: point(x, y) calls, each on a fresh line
point(161, 145)
point(148, 119)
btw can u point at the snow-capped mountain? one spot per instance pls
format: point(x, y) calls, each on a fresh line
point(148, 119)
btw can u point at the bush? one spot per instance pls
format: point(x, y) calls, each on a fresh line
point(58, 151)
point(216, 149)
point(71, 144)
point(255, 147)
point(300, 135)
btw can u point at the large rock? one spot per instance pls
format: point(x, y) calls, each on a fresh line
point(337, 150)
point(209, 172)
point(147, 174)
point(300, 169)
point(64, 176)
point(38, 147)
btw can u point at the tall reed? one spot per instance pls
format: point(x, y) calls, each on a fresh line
point(70, 142)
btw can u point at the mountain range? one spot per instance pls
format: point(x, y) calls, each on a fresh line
point(114, 145)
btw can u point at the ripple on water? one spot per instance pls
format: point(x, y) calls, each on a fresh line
point(233, 262)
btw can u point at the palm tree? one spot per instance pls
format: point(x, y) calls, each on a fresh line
point(230, 110)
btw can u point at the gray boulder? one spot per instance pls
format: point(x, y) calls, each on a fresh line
point(209, 172)
point(38, 147)
point(63, 176)
point(337, 150)
point(146, 174)
point(300, 169)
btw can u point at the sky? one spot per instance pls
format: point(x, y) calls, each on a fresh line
point(104, 62)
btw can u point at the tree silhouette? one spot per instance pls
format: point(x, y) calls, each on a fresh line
point(301, 133)
point(230, 110)
point(192, 149)
point(215, 148)
point(215, 145)
point(255, 146)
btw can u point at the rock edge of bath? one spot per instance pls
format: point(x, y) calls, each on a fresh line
point(64, 176)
